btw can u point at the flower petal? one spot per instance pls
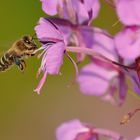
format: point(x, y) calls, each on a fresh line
point(92, 6)
point(104, 44)
point(81, 11)
point(128, 43)
point(49, 6)
point(53, 58)
point(65, 27)
point(47, 30)
point(128, 11)
point(95, 80)
point(69, 130)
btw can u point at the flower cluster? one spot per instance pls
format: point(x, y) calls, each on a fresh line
point(111, 58)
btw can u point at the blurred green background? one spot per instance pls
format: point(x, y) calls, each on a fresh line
point(24, 115)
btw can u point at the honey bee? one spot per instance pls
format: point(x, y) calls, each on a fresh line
point(22, 48)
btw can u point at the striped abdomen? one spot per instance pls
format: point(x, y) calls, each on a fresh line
point(5, 62)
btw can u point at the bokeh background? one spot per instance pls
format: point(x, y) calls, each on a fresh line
point(24, 115)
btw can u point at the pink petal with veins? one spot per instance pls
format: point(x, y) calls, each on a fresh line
point(46, 30)
point(53, 58)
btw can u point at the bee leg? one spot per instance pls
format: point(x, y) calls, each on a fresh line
point(23, 63)
point(20, 63)
point(21, 67)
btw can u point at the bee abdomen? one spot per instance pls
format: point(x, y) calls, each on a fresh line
point(5, 62)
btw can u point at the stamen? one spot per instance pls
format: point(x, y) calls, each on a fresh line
point(73, 62)
point(76, 69)
point(40, 55)
point(41, 48)
point(45, 47)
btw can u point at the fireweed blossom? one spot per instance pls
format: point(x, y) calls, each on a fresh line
point(127, 44)
point(76, 130)
point(128, 40)
point(76, 11)
point(53, 49)
point(102, 74)
point(60, 35)
point(74, 15)
point(110, 59)
point(54, 46)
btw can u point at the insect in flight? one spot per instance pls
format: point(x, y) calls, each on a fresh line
point(22, 48)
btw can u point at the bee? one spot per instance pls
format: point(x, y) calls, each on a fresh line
point(21, 49)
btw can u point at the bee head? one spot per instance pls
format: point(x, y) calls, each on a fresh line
point(29, 42)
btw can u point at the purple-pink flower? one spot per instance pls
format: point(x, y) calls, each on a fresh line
point(77, 11)
point(72, 32)
point(53, 49)
point(111, 58)
point(76, 130)
point(101, 77)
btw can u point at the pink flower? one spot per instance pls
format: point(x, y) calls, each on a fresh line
point(74, 130)
point(127, 43)
point(76, 11)
point(100, 76)
point(53, 49)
